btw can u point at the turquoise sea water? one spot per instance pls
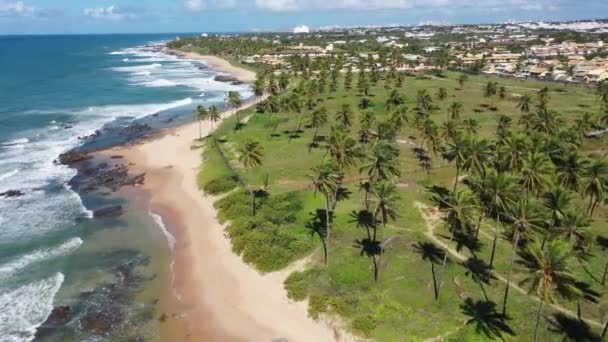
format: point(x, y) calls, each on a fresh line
point(54, 90)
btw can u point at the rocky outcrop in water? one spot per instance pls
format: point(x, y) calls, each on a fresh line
point(102, 321)
point(103, 177)
point(108, 212)
point(73, 157)
point(225, 78)
point(12, 193)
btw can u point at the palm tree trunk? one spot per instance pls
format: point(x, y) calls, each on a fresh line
point(594, 206)
point(605, 329)
point(327, 227)
point(538, 314)
point(200, 133)
point(605, 273)
point(478, 227)
point(443, 262)
point(495, 240)
point(314, 138)
point(435, 289)
point(457, 176)
point(504, 301)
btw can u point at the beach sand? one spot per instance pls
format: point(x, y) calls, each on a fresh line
point(223, 299)
point(219, 64)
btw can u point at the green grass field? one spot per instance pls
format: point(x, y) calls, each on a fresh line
point(400, 306)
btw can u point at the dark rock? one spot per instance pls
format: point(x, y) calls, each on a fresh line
point(116, 157)
point(73, 157)
point(225, 78)
point(102, 321)
point(60, 315)
point(105, 178)
point(12, 193)
point(108, 212)
point(237, 82)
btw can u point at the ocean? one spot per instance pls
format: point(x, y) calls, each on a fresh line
point(106, 278)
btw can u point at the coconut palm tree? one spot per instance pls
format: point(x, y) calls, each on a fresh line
point(462, 80)
point(546, 121)
point(470, 126)
point(394, 100)
point(499, 194)
point(455, 110)
point(424, 101)
point(344, 150)
point(536, 171)
point(549, 273)
point(456, 152)
point(325, 178)
point(524, 218)
point(490, 91)
point(366, 120)
point(557, 202)
point(512, 151)
point(457, 209)
point(250, 155)
point(345, 116)
point(524, 104)
point(502, 93)
point(595, 180)
point(259, 86)
point(442, 94)
point(543, 99)
point(384, 199)
point(283, 81)
point(400, 117)
point(235, 100)
point(570, 171)
point(318, 118)
point(214, 115)
point(449, 129)
point(478, 154)
point(382, 163)
point(201, 114)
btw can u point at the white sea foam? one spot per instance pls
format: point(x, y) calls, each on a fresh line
point(160, 82)
point(25, 308)
point(19, 263)
point(16, 142)
point(137, 68)
point(8, 174)
point(161, 224)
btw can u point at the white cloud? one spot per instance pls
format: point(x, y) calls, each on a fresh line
point(194, 5)
point(17, 9)
point(293, 5)
point(110, 12)
point(301, 29)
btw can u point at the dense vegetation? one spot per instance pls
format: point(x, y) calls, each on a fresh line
point(435, 206)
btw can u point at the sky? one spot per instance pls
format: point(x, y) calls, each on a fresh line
point(157, 16)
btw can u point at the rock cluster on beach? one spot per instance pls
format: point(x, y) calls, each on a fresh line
point(102, 177)
point(12, 193)
point(227, 79)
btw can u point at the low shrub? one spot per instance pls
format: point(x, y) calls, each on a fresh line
point(220, 185)
point(364, 324)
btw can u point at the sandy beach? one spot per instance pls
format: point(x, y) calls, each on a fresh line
point(223, 298)
point(219, 64)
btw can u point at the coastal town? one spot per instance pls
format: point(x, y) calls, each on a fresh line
point(573, 53)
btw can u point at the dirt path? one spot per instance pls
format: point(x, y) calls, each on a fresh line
point(432, 217)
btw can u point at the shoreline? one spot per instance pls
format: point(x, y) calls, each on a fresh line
point(217, 64)
point(222, 297)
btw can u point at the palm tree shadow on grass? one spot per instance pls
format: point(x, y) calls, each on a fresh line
point(480, 272)
point(363, 219)
point(430, 252)
point(486, 319)
point(572, 329)
point(317, 226)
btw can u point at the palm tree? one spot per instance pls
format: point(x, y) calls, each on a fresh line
point(499, 194)
point(382, 163)
point(549, 273)
point(344, 150)
point(283, 81)
point(570, 171)
point(543, 99)
point(318, 119)
point(325, 178)
point(400, 117)
point(490, 91)
point(366, 120)
point(595, 183)
point(457, 209)
point(344, 116)
point(502, 93)
point(524, 104)
point(385, 197)
point(214, 115)
point(556, 201)
point(424, 101)
point(259, 86)
point(235, 100)
point(512, 151)
point(478, 154)
point(394, 100)
point(250, 155)
point(524, 217)
point(470, 126)
point(462, 80)
point(535, 173)
point(442, 94)
point(449, 129)
point(201, 114)
point(546, 121)
point(455, 110)
point(456, 152)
